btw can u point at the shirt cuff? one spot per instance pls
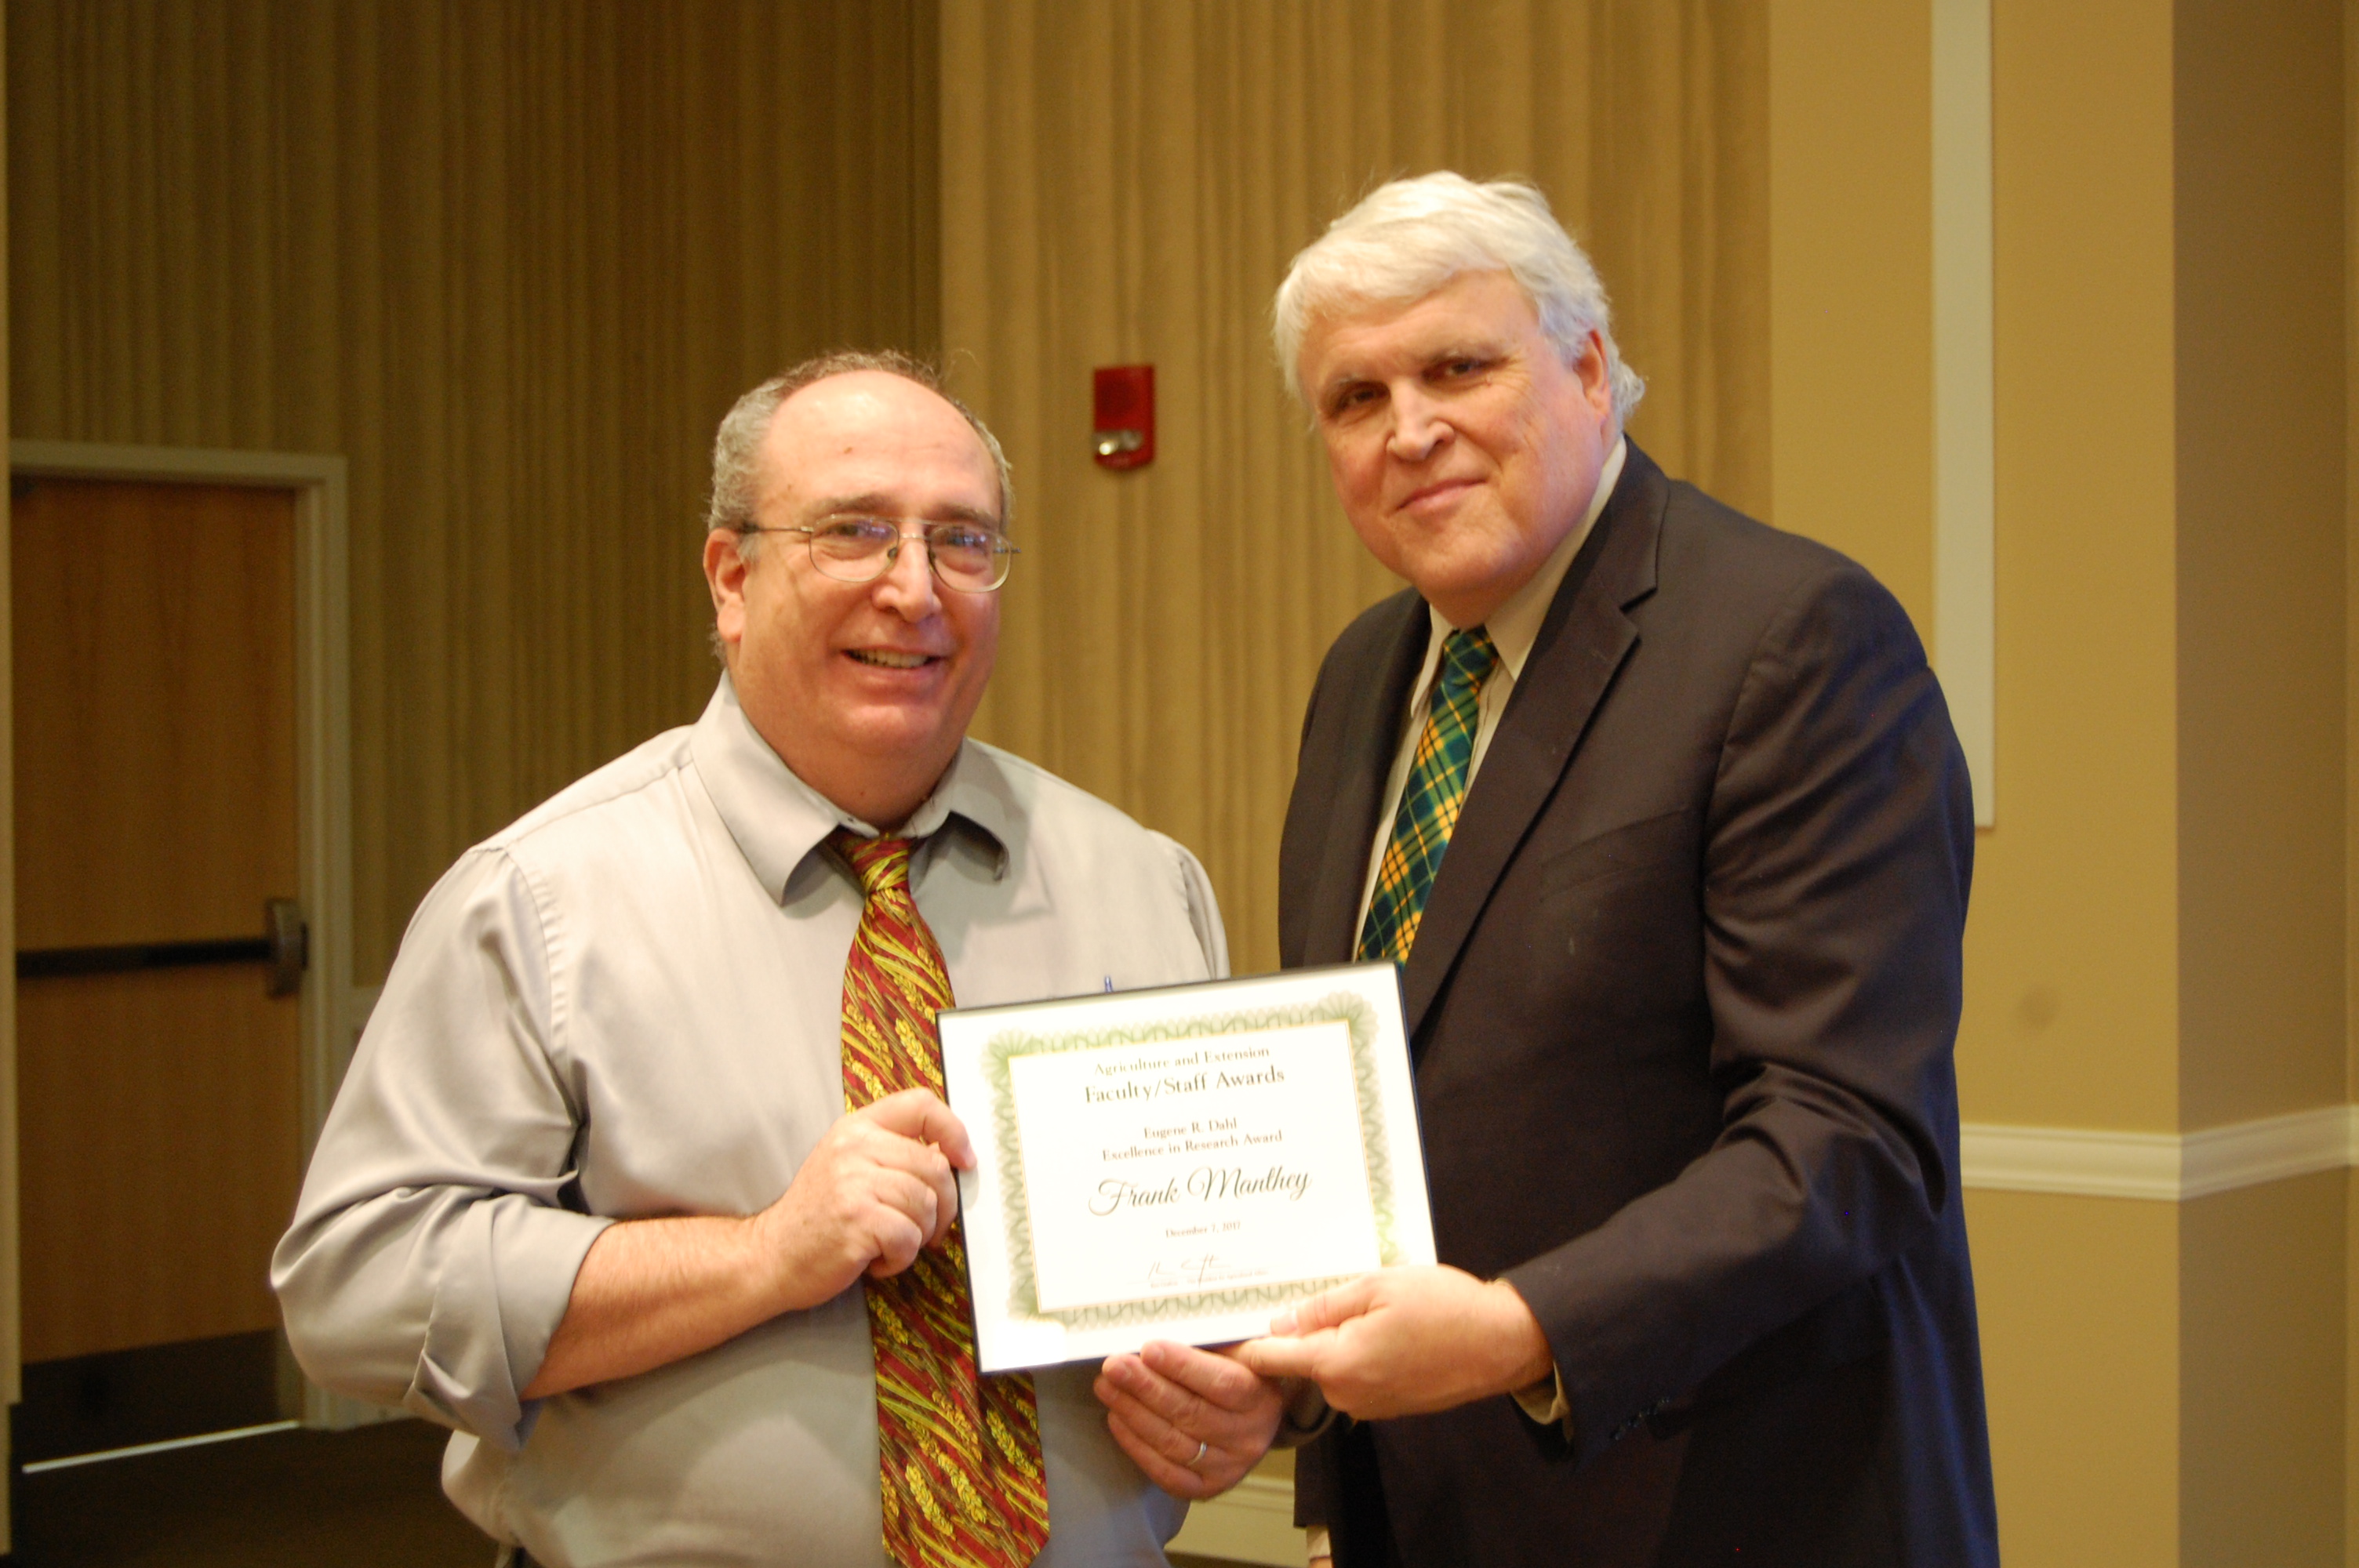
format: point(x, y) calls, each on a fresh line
point(1306, 1415)
point(503, 1284)
point(1315, 1544)
point(1544, 1401)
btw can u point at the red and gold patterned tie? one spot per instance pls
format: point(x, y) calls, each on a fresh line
point(958, 1454)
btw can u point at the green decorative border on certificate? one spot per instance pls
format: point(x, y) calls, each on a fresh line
point(1348, 1007)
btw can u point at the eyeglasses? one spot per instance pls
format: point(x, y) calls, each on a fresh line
point(972, 558)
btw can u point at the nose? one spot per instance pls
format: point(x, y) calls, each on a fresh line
point(1418, 426)
point(908, 587)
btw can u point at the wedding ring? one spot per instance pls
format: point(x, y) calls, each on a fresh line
point(1200, 1447)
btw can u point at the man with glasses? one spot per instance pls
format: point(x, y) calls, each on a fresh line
point(641, 1180)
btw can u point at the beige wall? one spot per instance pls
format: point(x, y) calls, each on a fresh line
point(2072, 1012)
point(1851, 287)
point(2260, 1351)
point(2152, 919)
point(2157, 941)
point(513, 260)
point(1126, 181)
point(2080, 1327)
point(2261, 449)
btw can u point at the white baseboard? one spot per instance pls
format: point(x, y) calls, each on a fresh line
point(2167, 1166)
point(1253, 1523)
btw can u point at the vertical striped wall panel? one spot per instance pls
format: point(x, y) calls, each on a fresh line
point(513, 260)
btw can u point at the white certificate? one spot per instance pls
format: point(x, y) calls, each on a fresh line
point(1181, 1163)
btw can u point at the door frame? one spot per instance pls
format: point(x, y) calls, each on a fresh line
point(329, 1012)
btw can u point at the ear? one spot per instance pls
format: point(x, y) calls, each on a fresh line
point(725, 575)
point(1590, 370)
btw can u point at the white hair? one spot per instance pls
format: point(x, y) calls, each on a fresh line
point(1409, 237)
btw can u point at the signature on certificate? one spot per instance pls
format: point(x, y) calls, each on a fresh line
point(1198, 1272)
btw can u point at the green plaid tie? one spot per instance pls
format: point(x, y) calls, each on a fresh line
point(1430, 800)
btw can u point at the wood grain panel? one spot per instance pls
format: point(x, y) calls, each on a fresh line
point(154, 653)
point(159, 1156)
point(1126, 181)
point(513, 260)
point(155, 657)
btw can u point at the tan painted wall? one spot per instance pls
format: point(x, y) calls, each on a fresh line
point(2261, 452)
point(514, 260)
point(2260, 1330)
point(2164, 1380)
point(1851, 287)
point(2079, 1334)
point(2071, 1016)
point(2261, 670)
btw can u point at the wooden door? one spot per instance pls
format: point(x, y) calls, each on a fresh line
point(155, 805)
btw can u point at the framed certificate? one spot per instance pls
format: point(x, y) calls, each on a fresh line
point(1181, 1163)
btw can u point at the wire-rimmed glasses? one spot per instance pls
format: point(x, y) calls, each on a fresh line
point(973, 557)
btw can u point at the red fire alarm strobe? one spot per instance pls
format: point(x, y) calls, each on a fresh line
point(1124, 396)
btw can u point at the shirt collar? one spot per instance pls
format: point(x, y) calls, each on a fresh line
point(777, 820)
point(1514, 626)
point(966, 799)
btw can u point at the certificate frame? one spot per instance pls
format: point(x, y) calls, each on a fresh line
point(983, 1051)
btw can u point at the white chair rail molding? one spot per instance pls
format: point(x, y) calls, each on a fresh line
point(2086, 1161)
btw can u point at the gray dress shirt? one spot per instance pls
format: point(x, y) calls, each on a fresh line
point(626, 1004)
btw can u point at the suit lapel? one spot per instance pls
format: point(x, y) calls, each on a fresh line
point(1371, 735)
point(1583, 641)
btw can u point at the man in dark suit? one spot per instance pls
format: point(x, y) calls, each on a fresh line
point(1661, 812)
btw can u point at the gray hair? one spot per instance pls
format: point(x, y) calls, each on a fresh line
point(1408, 237)
point(737, 446)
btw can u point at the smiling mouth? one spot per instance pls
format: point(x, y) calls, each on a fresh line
point(886, 658)
point(1430, 492)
